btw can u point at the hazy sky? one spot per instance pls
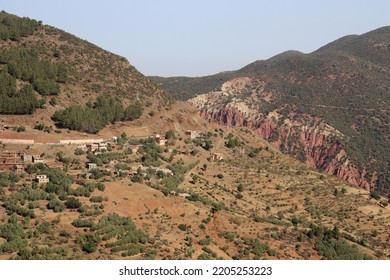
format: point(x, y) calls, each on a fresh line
point(199, 37)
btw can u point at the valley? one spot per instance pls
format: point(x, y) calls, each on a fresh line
point(107, 165)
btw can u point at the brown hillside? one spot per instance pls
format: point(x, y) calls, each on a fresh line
point(255, 203)
point(91, 72)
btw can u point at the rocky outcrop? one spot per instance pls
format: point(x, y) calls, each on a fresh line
point(305, 137)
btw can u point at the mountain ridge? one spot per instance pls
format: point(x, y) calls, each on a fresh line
point(88, 73)
point(345, 83)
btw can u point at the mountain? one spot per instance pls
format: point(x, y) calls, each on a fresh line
point(329, 108)
point(97, 162)
point(45, 70)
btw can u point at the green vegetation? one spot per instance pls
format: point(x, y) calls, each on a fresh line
point(93, 118)
point(13, 27)
point(105, 158)
point(332, 247)
point(56, 205)
point(14, 235)
point(232, 142)
point(119, 234)
point(132, 112)
point(8, 179)
point(59, 182)
point(205, 142)
point(88, 242)
point(184, 88)
point(23, 101)
point(170, 134)
point(151, 153)
point(183, 227)
point(339, 250)
point(23, 64)
point(73, 203)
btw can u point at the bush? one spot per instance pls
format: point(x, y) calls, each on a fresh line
point(205, 241)
point(170, 134)
point(21, 129)
point(232, 142)
point(96, 199)
point(56, 205)
point(339, 250)
point(88, 242)
point(375, 195)
point(79, 152)
point(132, 112)
point(183, 227)
point(73, 203)
point(83, 223)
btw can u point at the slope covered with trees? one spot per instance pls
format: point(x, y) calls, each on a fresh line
point(39, 63)
point(13, 27)
point(93, 117)
point(21, 63)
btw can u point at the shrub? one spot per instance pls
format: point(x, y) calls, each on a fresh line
point(83, 223)
point(79, 152)
point(183, 227)
point(73, 203)
point(170, 134)
point(88, 242)
point(96, 199)
point(56, 205)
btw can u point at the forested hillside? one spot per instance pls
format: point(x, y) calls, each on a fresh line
point(68, 78)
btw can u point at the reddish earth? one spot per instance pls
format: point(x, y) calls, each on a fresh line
point(310, 139)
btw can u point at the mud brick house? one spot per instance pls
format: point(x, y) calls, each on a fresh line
point(33, 158)
point(91, 166)
point(97, 147)
point(216, 156)
point(93, 147)
point(192, 134)
point(42, 179)
point(160, 139)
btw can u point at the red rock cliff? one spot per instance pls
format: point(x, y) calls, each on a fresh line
point(305, 137)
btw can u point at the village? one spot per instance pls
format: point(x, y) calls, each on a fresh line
point(17, 161)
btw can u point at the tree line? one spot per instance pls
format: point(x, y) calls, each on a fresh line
point(14, 101)
point(23, 63)
point(93, 117)
point(13, 27)
point(42, 76)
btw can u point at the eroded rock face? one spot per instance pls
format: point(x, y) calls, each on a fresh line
point(305, 137)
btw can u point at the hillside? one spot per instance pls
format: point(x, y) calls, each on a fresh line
point(146, 201)
point(129, 174)
point(44, 70)
point(290, 99)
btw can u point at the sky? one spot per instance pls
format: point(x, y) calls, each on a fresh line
point(203, 37)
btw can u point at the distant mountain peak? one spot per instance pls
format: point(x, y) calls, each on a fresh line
point(287, 54)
